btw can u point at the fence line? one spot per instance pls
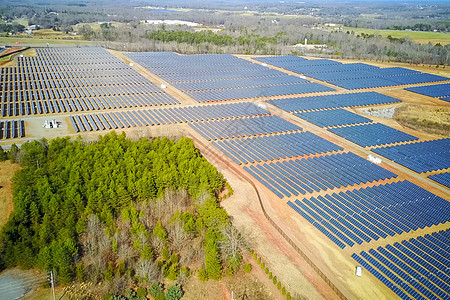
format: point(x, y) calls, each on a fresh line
point(275, 225)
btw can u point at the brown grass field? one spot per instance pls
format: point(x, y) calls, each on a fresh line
point(7, 170)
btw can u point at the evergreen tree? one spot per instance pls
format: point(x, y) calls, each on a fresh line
point(213, 265)
point(3, 154)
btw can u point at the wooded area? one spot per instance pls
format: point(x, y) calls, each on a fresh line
point(265, 30)
point(118, 211)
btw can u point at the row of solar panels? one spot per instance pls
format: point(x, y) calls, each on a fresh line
point(73, 64)
point(163, 116)
point(12, 129)
point(70, 54)
point(435, 90)
point(224, 129)
point(266, 148)
point(257, 92)
point(443, 178)
point(375, 212)
point(91, 86)
point(332, 101)
point(280, 59)
point(38, 72)
point(26, 81)
point(420, 157)
point(367, 135)
point(413, 269)
point(184, 71)
point(80, 93)
point(74, 92)
point(165, 59)
point(76, 63)
point(220, 74)
point(18, 108)
point(235, 75)
point(293, 177)
point(334, 117)
point(213, 68)
point(238, 83)
point(364, 83)
point(354, 76)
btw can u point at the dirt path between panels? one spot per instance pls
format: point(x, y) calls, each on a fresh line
point(278, 255)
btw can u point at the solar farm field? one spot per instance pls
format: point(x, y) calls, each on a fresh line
point(299, 144)
point(352, 76)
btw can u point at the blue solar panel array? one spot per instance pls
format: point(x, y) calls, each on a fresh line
point(372, 213)
point(161, 116)
point(417, 268)
point(294, 177)
point(224, 129)
point(12, 129)
point(372, 134)
point(220, 77)
point(335, 117)
point(420, 157)
point(253, 92)
point(237, 83)
point(61, 80)
point(381, 81)
point(435, 90)
point(265, 148)
point(443, 178)
point(332, 101)
point(288, 59)
point(352, 76)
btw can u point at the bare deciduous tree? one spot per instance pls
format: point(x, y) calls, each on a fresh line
point(147, 268)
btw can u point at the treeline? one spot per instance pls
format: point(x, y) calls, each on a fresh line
point(181, 36)
point(256, 41)
point(265, 38)
point(247, 34)
point(118, 211)
point(11, 28)
point(443, 26)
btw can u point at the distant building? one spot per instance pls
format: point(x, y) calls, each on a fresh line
point(51, 124)
point(172, 22)
point(309, 47)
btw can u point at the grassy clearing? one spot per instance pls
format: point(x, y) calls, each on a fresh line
point(20, 21)
point(7, 170)
point(51, 34)
point(32, 40)
point(96, 26)
point(5, 58)
point(180, 9)
point(417, 36)
point(424, 118)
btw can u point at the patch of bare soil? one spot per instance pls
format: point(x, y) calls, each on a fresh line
point(7, 170)
point(424, 118)
point(241, 285)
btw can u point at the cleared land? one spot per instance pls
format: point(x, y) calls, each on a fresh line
point(430, 119)
point(7, 170)
point(421, 37)
point(43, 40)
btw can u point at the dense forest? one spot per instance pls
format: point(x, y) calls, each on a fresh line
point(118, 211)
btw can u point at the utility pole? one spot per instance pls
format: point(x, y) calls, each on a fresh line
point(53, 284)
